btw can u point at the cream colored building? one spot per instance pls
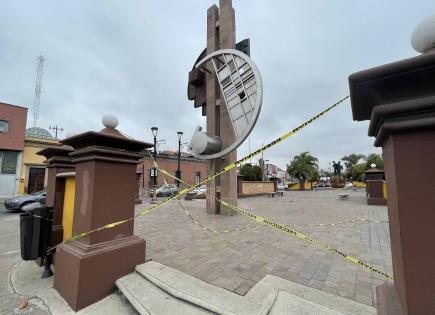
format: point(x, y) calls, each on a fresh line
point(33, 172)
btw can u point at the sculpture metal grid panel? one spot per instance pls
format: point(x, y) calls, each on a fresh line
point(242, 91)
point(237, 83)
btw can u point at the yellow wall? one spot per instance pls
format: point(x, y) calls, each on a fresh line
point(384, 189)
point(68, 207)
point(359, 184)
point(294, 186)
point(30, 158)
point(307, 186)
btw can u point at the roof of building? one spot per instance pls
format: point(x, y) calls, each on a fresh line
point(12, 105)
point(37, 132)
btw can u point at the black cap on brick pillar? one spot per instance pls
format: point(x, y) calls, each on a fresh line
point(105, 189)
point(58, 161)
point(399, 100)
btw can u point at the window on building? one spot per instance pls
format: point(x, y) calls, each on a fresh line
point(197, 177)
point(8, 161)
point(153, 172)
point(4, 126)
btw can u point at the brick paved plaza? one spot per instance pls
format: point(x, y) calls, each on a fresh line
point(237, 260)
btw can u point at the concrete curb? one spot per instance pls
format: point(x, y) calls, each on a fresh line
point(122, 285)
point(308, 294)
point(149, 299)
point(200, 293)
point(272, 295)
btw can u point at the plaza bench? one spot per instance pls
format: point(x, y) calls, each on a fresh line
point(279, 193)
point(344, 196)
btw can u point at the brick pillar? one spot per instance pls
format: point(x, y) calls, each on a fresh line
point(221, 33)
point(105, 164)
point(375, 192)
point(58, 161)
point(399, 101)
point(212, 110)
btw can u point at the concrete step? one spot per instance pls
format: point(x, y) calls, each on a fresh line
point(149, 299)
point(210, 297)
point(287, 303)
point(157, 289)
point(309, 295)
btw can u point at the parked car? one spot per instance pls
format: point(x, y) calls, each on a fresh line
point(17, 202)
point(200, 190)
point(166, 190)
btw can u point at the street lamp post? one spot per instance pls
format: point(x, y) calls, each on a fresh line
point(178, 175)
point(154, 197)
point(267, 169)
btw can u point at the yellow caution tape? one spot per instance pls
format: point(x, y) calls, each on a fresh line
point(285, 229)
point(292, 225)
point(164, 172)
point(216, 174)
point(337, 223)
point(186, 212)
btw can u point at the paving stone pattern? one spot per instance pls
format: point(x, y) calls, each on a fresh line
point(237, 260)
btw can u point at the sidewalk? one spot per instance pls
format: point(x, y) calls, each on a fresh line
point(21, 281)
point(10, 300)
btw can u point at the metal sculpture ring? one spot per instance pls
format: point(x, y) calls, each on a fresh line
point(242, 92)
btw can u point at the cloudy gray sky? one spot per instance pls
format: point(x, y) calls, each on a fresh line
point(131, 58)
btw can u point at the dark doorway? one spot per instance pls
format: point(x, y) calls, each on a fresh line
point(36, 179)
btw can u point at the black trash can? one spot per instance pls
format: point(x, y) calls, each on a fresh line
point(35, 230)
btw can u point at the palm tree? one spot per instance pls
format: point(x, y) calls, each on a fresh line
point(303, 166)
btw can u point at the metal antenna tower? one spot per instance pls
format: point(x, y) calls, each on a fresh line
point(38, 89)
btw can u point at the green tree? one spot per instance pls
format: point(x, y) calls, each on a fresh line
point(375, 159)
point(358, 172)
point(350, 161)
point(251, 173)
point(315, 175)
point(304, 165)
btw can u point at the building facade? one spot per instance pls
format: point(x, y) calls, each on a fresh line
point(12, 131)
point(193, 170)
point(273, 171)
point(33, 175)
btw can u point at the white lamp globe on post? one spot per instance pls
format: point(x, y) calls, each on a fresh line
point(423, 37)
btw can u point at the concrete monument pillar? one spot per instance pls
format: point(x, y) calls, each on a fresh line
point(221, 33)
point(399, 101)
point(58, 161)
point(105, 165)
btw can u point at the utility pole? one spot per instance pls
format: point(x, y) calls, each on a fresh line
point(56, 130)
point(154, 197)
